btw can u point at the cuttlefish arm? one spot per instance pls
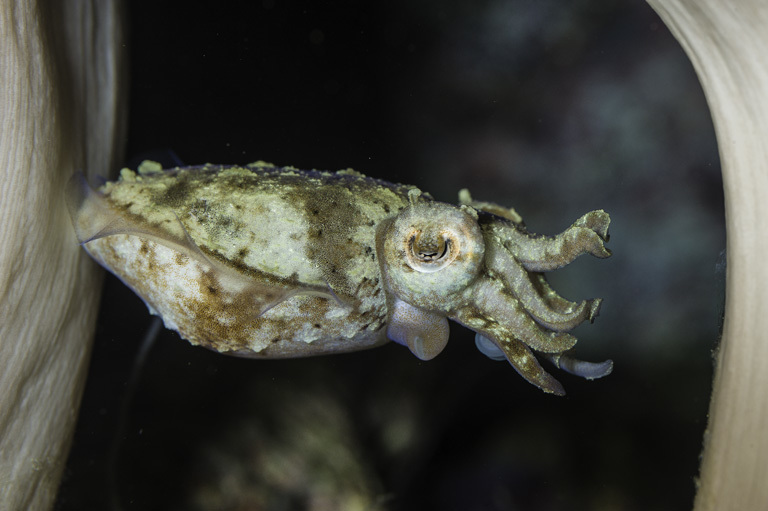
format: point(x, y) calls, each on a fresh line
point(546, 253)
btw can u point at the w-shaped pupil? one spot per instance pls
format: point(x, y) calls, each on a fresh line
point(431, 248)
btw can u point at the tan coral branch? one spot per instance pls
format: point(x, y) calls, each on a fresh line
point(728, 45)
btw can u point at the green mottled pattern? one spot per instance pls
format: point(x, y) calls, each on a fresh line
point(314, 228)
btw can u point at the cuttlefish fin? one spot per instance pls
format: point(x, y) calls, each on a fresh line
point(94, 217)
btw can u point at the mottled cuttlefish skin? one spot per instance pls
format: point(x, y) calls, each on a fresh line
point(271, 262)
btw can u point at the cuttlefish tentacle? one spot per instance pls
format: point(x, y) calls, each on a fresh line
point(545, 306)
point(488, 348)
point(557, 302)
point(588, 370)
point(597, 221)
point(497, 314)
point(525, 363)
point(489, 207)
point(545, 253)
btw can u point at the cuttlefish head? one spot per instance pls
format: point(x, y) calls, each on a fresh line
point(482, 270)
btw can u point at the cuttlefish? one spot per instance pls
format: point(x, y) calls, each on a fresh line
point(267, 262)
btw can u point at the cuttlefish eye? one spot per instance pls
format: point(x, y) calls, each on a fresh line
point(432, 247)
point(431, 251)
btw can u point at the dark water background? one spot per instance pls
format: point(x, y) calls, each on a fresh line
point(554, 108)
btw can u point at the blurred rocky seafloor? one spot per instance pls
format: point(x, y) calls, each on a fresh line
point(553, 108)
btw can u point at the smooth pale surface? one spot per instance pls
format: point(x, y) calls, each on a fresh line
point(58, 113)
point(728, 45)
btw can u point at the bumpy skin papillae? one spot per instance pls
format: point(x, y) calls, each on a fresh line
point(254, 261)
point(275, 262)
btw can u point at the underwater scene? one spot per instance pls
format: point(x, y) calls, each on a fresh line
point(544, 111)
